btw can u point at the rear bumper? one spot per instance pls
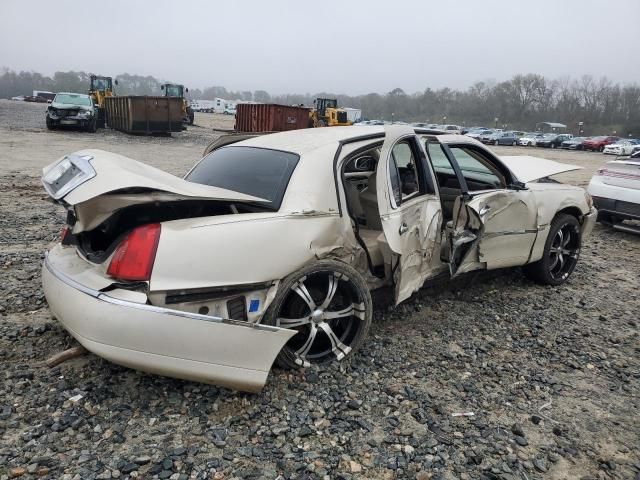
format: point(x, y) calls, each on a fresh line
point(158, 340)
point(613, 200)
point(618, 208)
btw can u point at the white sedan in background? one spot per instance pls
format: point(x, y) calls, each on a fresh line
point(269, 247)
point(623, 147)
point(615, 189)
point(529, 139)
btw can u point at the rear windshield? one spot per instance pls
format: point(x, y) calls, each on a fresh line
point(254, 171)
point(72, 99)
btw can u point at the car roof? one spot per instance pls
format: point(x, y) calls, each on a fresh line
point(309, 139)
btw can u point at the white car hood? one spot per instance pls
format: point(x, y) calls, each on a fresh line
point(115, 172)
point(527, 168)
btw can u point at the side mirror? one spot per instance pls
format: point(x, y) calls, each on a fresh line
point(161, 87)
point(116, 82)
point(186, 90)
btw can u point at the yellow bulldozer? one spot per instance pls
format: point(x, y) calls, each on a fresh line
point(178, 91)
point(99, 88)
point(327, 114)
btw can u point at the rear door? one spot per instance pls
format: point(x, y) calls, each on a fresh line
point(409, 208)
point(494, 220)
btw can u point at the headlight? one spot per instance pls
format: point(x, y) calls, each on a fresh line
point(68, 173)
point(84, 113)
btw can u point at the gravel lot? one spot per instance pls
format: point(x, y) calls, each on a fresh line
point(551, 374)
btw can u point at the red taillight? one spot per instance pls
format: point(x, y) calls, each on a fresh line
point(134, 257)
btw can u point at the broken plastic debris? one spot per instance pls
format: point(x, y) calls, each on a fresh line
point(75, 398)
point(462, 414)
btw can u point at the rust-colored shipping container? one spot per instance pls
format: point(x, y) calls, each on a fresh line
point(270, 117)
point(144, 114)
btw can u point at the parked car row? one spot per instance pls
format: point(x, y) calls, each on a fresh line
point(609, 144)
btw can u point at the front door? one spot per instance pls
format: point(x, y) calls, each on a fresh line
point(494, 220)
point(492, 230)
point(409, 207)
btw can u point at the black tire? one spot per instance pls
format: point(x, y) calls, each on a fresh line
point(93, 126)
point(302, 302)
point(322, 123)
point(601, 149)
point(495, 142)
point(514, 143)
point(50, 125)
point(561, 252)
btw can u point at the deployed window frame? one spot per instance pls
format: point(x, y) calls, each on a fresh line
point(490, 162)
point(425, 175)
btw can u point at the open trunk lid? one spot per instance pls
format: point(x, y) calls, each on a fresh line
point(528, 169)
point(96, 185)
point(87, 174)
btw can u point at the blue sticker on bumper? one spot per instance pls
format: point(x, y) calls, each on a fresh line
point(254, 305)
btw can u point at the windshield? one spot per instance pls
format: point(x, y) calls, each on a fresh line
point(101, 84)
point(254, 171)
point(72, 99)
point(174, 91)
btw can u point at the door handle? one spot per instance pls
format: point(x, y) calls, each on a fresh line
point(403, 228)
point(484, 210)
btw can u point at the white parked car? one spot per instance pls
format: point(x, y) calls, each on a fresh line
point(529, 139)
point(623, 147)
point(270, 246)
point(452, 129)
point(615, 189)
point(477, 133)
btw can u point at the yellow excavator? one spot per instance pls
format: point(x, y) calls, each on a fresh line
point(99, 88)
point(178, 91)
point(327, 114)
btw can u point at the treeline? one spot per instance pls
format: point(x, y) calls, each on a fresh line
point(519, 103)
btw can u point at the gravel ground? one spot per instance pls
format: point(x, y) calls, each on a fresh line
point(550, 374)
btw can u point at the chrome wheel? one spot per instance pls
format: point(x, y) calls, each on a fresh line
point(564, 251)
point(328, 311)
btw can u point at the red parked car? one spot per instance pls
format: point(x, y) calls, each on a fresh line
point(598, 143)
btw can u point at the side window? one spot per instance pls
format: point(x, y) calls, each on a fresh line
point(404, 172)
point(445, 175)
point(477, 169)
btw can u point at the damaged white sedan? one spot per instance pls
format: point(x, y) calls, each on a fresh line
point(270, 246)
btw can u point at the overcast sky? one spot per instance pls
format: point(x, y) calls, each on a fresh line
point(345, 46)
